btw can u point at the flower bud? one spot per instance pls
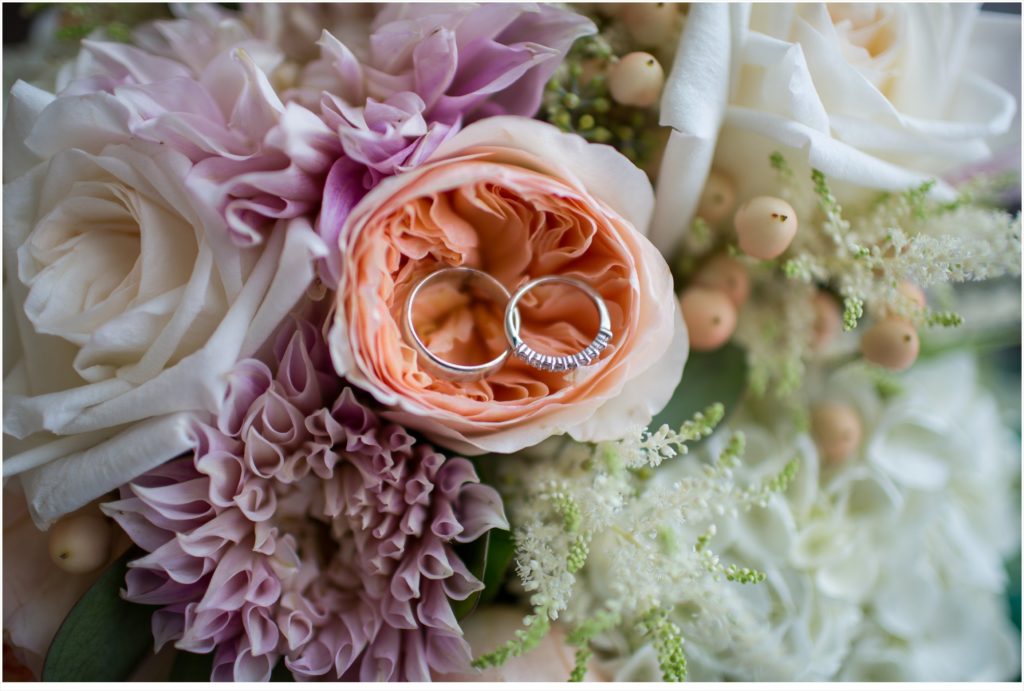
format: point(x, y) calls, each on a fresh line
point(650, 24)
point(80, 543)
point(828, 319)
point(892, 343)
point(837, 430)
point(726, 274)
point(710, 317)
point(636, 80)
point(718, 198)
point(765, 227)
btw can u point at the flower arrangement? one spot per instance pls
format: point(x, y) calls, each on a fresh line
point(520, 342)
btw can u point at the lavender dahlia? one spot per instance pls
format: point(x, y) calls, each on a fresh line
point(305, 527)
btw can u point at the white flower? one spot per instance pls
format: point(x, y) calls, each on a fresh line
point(888, 566)
point(128, 311)
point(876, 97)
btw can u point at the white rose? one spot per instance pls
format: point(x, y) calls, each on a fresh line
point(876, 97)
point(128, 315)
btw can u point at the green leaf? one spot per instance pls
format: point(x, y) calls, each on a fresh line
point(487, 558)
point(104, 637)
point(281, 673)
point(191, 667)
point(499, 558)
point(716, 377)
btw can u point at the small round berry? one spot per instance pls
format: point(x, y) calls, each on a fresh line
point(710, 317)
point(718, 198)
point(765, 226)
point(891, 342)
point(913, 293)
point(636, 80)
point(726, 274)
point(837, 430)
point(828, 319)
point(80, 543)
point(650, 24)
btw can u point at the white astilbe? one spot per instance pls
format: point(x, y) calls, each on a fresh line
point(864, 257)
point(572, 503)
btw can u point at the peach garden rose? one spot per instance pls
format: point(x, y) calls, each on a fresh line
point(519, 199)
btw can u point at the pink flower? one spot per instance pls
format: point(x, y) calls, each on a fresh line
point(203, 85)
point(307, 528)
point(519, 199)
point(465, 61)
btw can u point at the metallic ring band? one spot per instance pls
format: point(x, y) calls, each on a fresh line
point(557, 363)
point(439, 366)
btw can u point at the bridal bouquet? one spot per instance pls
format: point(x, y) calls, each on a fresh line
point(511, 342)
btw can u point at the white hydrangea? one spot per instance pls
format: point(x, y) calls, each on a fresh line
point(887, 567)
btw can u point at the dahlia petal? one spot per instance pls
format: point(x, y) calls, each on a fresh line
point(414, 657)
point(176, 563)
point(146, 528)
point(480, 509)
point(264, 538)
point(264, 586)
point(305, 139)
point(311, 661)
point(125, 61)
point(455, 473)
point(151, 587)
point(445, 525)
point(230, 582)
point(262, 457)
point(405, 584)
point(184, 501)
point(224, 662)
point(296, 628)
point(447, 653)
point(205, 629)
point(398, 613)
point(434, 610)
point(433, 559)
point(211, 538)
point(418, 489)
point(225, 471)
point(462, 583)
point(246, 382)
point(413, 520)
point(168, 623)
point(381, 658)
point(376, 606)
point(256, 500)
point(260, 629)
point(253, 668)
point(342, 191)
point(346, 65)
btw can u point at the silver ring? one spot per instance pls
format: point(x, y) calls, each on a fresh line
point(439, 366)
point(557, 363)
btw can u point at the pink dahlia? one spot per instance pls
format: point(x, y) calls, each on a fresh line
point(308, 528)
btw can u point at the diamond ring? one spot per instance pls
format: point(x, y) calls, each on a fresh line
point(557, 363)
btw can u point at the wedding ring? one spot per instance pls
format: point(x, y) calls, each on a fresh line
point(439, 366)
point(557, 363)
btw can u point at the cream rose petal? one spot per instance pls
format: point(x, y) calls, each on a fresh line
point(114, 428)
point(26, 103)
point(776, 78)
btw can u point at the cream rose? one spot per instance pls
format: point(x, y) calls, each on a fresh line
point(875, 96)
point(519, 199)
point(128, 315)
